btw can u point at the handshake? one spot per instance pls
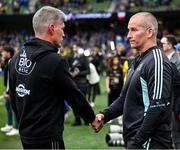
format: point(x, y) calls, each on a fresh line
point(98, 122)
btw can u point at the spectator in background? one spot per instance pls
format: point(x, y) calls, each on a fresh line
point(108, 60)
point(114, 80)
point(168, 43)
point(177, 47)
point(3, 7)
point(93, 79)
point(159, 44)
point(7, 54)
point(40, 82)
point(79, 70)
point(96, 59)
point(121, 53)
point(16, 5)
point(129, 59)
point(120, 50)
point(146, 97)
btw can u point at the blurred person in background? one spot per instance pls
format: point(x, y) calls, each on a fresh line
point(93, 79)
point(3, 6)
point(120, 48)
point(114, 80)
point(121, 52)
point(40, 82)
point(16, 5)
point(129, 59)
point(79, 69)
point(145, 100)
point(177, 47)
point(168, 43)
point(7, 54)
point(97, 59)
point(108, 60)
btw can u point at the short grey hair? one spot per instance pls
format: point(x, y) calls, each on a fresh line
point(148, 21)
point(44, 16)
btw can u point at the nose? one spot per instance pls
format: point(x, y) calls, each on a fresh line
point(63, 34)
point(128, 35)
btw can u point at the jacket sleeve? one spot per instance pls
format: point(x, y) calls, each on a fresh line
point(71, 93)
point(158, 76)
point(116, 108)
point(11, 90)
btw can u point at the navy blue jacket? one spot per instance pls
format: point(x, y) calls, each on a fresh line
point(145, 100)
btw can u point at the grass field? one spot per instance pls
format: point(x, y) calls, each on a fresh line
point(79, 137)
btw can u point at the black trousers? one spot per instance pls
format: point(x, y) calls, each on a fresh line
point(57, 144)
point(93, 90)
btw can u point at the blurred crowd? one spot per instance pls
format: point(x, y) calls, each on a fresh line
point(98, 46)
point(100, 40)
point(101, 43)
point(30, 6)
point(127, 4)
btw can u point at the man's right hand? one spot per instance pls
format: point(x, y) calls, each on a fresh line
point(97, 124)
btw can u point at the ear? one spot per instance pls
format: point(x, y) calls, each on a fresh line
point(150, 32)
point(170, 46)
point(51, 29)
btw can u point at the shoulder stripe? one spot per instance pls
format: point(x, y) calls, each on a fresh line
point(155, 74)
point(161, 74)
point(158, 74)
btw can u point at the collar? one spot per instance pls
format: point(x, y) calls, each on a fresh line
point(148, 50)
point(140, 55)
point(170, 55)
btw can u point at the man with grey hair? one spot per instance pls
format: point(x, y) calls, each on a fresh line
point(145, 100)
point(39, 82)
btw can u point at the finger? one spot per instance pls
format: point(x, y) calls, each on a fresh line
point(99, 117)
point(100, 127)
point(92, 126)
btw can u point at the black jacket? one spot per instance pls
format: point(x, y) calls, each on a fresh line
point(81, 63)
point(39, 84)
point(145, 101)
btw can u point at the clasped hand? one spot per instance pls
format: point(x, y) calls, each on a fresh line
point(97, 124)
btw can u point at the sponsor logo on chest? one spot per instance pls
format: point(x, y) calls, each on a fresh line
point(22, 91)
point(24, 65)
